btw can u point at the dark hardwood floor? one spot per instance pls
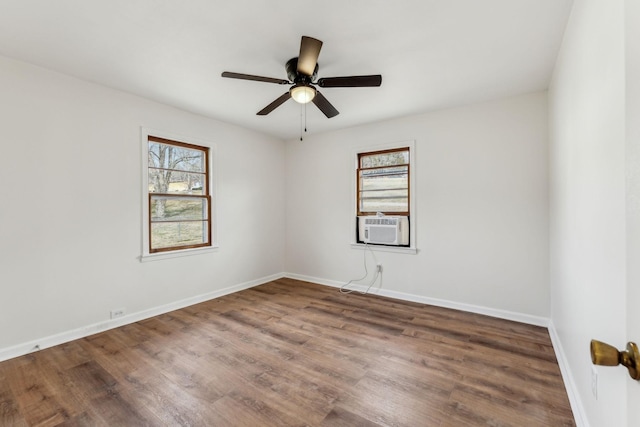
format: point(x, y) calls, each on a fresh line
point(291, 353)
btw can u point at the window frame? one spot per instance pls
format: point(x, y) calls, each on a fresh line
point(359, 169)
point(412, 248)
point(209, 148)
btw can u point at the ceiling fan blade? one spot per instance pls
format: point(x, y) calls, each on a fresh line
point(324, 105)
point(308, 58)
point(255, 78)
point(275, 104)
point(352, 81)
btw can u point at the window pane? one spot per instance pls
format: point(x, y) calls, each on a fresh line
point(385, 205)
point(178, 208)
point(385, 171)
point(173, 157)
point(384, 200)
point(168, 181)
point(385, 159)
point(384, 182)
point(172, 234)
point(384, 194)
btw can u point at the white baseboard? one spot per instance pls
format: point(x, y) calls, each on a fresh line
point(501, 314)
point(85, 331)
point(577, 407)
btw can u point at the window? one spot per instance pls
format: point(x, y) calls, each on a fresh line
point(179, 200)
point(383, 182)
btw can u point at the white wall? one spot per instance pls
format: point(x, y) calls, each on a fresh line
point(587, 201)
point(70, 216)
point(481, 208)
point(632, 57)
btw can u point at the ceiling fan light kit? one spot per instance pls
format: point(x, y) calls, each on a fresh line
point(302, 94)
point(302, 73)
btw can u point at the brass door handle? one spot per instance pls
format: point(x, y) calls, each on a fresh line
point(607, 355)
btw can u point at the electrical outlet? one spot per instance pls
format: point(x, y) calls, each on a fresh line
point(594, 382)
point(379, 268)
point(118, 312)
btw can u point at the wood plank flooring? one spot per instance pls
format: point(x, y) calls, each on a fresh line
point(291, 353)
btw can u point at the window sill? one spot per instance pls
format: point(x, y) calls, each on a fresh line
point(176, 254)
point(379, 248)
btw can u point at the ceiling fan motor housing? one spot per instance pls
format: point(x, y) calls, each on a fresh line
point(292, 72)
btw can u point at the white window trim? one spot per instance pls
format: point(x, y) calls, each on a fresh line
point(412, 249)
point(213, 157)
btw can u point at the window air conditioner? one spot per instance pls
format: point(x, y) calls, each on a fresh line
point(384, 230)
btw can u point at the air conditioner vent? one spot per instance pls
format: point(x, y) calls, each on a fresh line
point(385, 230)
point(381, 221)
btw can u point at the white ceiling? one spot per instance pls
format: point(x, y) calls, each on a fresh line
point(432, 54)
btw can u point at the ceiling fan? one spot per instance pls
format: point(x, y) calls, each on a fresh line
point(302, 73)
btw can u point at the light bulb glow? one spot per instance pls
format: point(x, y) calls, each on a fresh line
point(302, 94)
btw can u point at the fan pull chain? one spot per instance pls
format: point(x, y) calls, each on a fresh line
point(303, 112)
